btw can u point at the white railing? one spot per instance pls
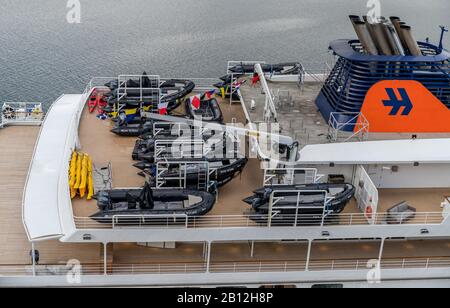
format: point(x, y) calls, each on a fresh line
point(201, 84)
point(225, 267)
point(152, 89)
point(246, 221)
point(181, 177)
point(289, 176)
point(358, 121)
point(98, 82)
point(180, 149)
point(123, 221)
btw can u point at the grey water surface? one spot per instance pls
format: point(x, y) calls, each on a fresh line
point(43, 56)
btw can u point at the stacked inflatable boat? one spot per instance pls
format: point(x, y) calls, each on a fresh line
point(133, 96)
point(216, 166)
point(299, 203)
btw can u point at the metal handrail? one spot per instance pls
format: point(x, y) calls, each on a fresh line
point(245, 221)
point(21, 113)
point(358, 120)
point(200, 83)
point(288, 176)
point(280, 266)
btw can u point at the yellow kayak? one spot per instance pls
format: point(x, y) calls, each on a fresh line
point(84, 174)
point(90, 183)
point(73, 170)
point(78, 173)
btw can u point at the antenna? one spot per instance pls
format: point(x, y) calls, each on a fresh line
point(441, 41)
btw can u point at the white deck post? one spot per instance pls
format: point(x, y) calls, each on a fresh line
point(33, 257)
point(252, 249)
point(380, 255)
point(208, 256)
point(308, 255)
point(105, 261)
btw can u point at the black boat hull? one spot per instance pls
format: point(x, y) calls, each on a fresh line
point(116, 203)
point(221, 176)
point(309, 203)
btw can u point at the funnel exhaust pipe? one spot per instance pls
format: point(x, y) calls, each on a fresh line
point(371, 30)
point(394, 40)
point(411, 42)
point(380, 33)
point(364, 35)
point(396, 21)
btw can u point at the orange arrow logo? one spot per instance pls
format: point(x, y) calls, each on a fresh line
point(404, 106)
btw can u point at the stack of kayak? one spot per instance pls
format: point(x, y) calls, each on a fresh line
point(97, 100)
point(288, 202)
point(80, 176)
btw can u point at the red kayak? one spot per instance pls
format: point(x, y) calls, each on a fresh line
point(102, 103)
point(93, 101)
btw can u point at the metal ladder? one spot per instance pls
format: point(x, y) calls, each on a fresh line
point(203, 177)
point(160, 181)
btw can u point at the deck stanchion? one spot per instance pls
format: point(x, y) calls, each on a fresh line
point(33, 257)
point(105, 256)
point(380, 255)
point(208, 256)
point(308, 256)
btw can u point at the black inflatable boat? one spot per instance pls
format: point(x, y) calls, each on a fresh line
point(189, 149)
point(148, 201)
point(290, 68)
point(222, 171)
point(209, 110)
point(133, 129)
point(310, 202)
point(141, 93)
point(144, 149)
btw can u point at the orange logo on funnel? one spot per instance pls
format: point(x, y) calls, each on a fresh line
point(404, 106)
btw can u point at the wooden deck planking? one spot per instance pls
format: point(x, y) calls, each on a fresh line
point(16, 150)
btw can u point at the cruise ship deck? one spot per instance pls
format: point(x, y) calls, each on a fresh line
point(300, 118)
point(105, 147)
point(16, 148)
